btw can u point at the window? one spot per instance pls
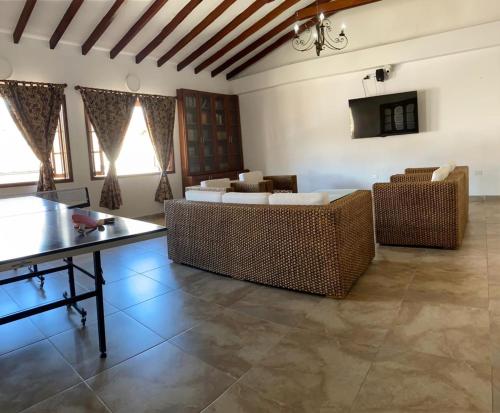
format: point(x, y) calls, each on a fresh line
point(137, 156)
point(18, 163)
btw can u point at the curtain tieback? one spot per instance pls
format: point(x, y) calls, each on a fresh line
point(164, 174)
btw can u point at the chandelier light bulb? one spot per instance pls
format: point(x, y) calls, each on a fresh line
point(315, 35)
point(296, 28)
point(321, 17)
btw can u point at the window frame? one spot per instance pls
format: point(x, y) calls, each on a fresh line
point(94, 176)
point(65, 153)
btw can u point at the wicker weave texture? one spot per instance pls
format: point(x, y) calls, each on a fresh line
point(415, 177)
point(317, 249)
point(414, 211)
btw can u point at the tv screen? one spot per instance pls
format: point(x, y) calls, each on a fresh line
point(384, 115)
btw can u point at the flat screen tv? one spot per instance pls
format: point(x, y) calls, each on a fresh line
point(384, 115)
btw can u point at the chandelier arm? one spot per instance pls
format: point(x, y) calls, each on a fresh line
point(303, 44)
point(335, 43)
point(338, 43)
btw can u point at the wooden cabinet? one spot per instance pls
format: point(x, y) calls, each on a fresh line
point(210, 136)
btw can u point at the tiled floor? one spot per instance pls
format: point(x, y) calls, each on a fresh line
point(420, 332)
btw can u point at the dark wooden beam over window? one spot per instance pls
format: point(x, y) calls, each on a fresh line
point(287, 4)
point(261, 40)
point(65, 21)
point(101, 27)
point(233, 24)
point(137, 27)
point(328, 8)
point(23, 19)
point(169, 28)
point(287, 37)
point(214, 14)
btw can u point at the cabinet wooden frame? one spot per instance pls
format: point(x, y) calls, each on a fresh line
point(231, 127)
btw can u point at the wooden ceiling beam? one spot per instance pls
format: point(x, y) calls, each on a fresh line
point(233, 24)
point(64, 23)
point(261, 40)
point(248, 32)
point(101, 27)
point(137, 27)
point(214, 14)
point(169, 28)
point(337, 5)
point(287, 37)
point(328, 8)
point(23, 19)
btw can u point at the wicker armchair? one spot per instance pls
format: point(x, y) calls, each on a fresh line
point(283, 183)
point(413, 211)
point(317, 249)
point(262, 186)
point(275, 183)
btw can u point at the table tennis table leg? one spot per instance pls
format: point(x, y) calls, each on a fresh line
point(99, 303)
point(72, 291)
point(41, 278)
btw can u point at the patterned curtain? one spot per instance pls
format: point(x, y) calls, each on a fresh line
point(110, 114)
point(159, 113)
point(35, 109)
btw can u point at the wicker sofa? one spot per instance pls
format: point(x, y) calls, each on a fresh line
point(317, 249)
point(413, 211)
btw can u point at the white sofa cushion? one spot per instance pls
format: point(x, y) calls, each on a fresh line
point(204, 196)
point(452, 165)
point(440, 174)
point(253, 177)
point(216, 183)
point(246, 198)
point(313, 198)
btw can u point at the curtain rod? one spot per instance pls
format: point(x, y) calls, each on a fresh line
point(120, 92)
point(30, 83)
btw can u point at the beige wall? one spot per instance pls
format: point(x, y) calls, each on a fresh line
point(33, 60)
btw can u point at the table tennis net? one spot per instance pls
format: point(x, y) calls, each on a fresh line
point(72, 198)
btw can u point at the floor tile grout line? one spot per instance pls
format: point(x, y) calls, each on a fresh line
point(98, 397)
point(124, 360)
point(69, 365)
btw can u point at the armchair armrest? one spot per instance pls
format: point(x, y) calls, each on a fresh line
point(284, 182)
point(427, 169)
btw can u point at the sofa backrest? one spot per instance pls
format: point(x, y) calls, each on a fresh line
point(216, 183)
point(253, 177)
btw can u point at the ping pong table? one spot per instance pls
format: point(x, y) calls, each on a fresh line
point(37, 229)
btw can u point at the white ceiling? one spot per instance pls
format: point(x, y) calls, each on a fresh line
point(48, 13)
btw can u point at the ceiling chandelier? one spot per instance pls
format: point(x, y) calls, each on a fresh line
point(319, 36)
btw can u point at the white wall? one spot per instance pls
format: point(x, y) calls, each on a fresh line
point(33, 60)
point(303, 126)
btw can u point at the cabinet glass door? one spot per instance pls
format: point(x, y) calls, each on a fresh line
point(221, 134)
point(207, 138)
point(193, 135)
